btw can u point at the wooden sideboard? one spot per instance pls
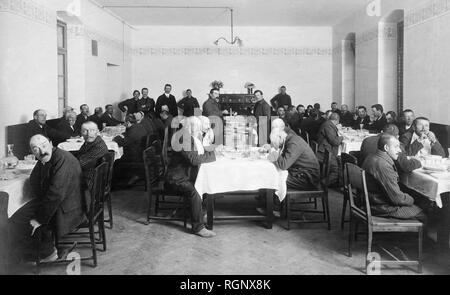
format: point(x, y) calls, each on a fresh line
point(242, 104)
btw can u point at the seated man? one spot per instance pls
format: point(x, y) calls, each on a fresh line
point(297, 157)
point(346, 116)
point(407, 122)
point(386, 197)
point(183, 170)
point(294, 119)
point(361, 120)
point(93, 149)
point(370, 146)
point(164, 121)
point(57, 195)
point(39, 126)
point(330, 140)
point(133, 142)
point(108, 117)
point(96, 118)
point(312, 124)
point(82, 117)
point(67, 126)
point(422, 141)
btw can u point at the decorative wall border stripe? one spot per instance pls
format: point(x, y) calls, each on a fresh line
point(231, 51)
point(29, 9)
point(421, 14)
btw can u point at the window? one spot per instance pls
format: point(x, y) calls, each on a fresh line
point(62, 65)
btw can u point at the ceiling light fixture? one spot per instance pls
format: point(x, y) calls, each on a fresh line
point(234, 40)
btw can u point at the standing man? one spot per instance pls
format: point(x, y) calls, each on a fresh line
point(82, 117)
point(330, 140)
point(188, 104)
point(262, 109)
point(211, 106)
point(380, 119)
point(57, 196)
point(168, 100)
point(146, 104)
point(130, 106)
point(282, 99)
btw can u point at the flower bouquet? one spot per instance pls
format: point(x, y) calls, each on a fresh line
point(217, 84)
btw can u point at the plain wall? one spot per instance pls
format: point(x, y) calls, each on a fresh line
point(297, 57)
point(426, 63)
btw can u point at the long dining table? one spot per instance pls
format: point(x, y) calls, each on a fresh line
point(237, 174)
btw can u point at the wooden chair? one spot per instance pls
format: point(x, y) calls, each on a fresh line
point(321, 193)
point(159, 199)
point(361, 213)
point(345, 158)
point(314, 146)
point(94, 215)
point(109, 158)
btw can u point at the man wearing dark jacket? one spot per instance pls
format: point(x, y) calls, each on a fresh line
point(422, 141)
point(312, 125)
point(370, 146)
point(407, 124)
point(211, 106)
point(39, 126)
point(346, 116)
point(91, 152)
point(380, 119)
point(108, 117)
point(188, 103)
point(168, 100)
point(262, 109)
point(131, 106)
point(146, 104)
point(330, 140)
point(183, 169)
point(57, 197)
point(297, 158)
point(281, 100)
point(361, 120)
point(96, 118)
point(82, 117)
point(386, 197)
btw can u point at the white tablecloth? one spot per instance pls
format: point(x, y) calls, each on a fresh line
point(75, 146)
point(348, 146)
point(18, 190)
point(431, 185)
point(226, 175)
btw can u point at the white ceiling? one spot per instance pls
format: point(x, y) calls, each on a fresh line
point(246, 12)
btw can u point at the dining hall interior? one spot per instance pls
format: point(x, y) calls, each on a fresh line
point(225, 137)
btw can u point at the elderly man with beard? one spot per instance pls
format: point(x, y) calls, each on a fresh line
point(91, 152)
point(56, 191)
point(183, 169)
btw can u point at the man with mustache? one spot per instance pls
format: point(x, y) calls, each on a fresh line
point(56, 196)
point(422, 141)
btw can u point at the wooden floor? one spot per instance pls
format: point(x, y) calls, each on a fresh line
point(241, 247)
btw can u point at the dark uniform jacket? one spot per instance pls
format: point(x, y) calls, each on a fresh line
point(281, 100)
point(299, 160)
point(386, 198)
point(68, 131)
point(147, 106)
point(131, 104)
point(412, 149)
point(33, 128)
point(211, 108)
point(378, 125)
point(188, 103)
point(184, 165)
point(328, 138)
point(109, 120)
point(97, 120)
point(171, 102)
point(347, 119)
point(81, 119)
point(359, 120)
point(133, 143)
point(311, 126)
point(57, 185)
point(370, 146)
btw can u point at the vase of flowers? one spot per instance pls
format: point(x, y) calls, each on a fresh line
point(217, 84)
point(250, 86)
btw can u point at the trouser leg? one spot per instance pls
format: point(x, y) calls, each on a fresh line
point(196, 201)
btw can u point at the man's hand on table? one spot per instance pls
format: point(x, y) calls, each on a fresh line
point(35, 224)
point(273, 156)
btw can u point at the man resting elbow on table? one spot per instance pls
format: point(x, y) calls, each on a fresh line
point(297, 157)
point(183, 169)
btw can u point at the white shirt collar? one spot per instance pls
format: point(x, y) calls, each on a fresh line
point(167, 95)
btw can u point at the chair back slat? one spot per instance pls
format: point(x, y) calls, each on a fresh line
point(165, 148)
point(97, 191)
point(347, 158)
point(109, 159)
point(153, 164)
point(358, 193)
point(314, 146)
